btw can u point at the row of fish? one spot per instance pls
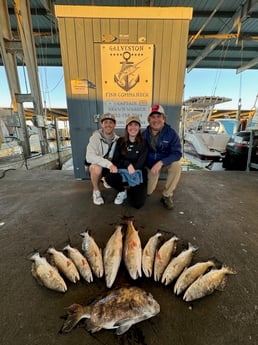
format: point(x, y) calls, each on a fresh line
point(195, 281)
point(71, 267)
point(153, 260)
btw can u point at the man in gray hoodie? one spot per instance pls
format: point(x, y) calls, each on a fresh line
point(99, 153)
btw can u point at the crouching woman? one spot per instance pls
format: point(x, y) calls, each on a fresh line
point(130, 157)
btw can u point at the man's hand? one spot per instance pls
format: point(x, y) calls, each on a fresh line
point(113, 169)
point(156, 168)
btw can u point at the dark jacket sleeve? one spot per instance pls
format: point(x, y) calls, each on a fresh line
point(141, 162)
point(175, 153)
point(117, 153)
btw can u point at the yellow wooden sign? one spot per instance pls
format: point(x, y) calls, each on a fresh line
point(127, 80)
point(79, 86)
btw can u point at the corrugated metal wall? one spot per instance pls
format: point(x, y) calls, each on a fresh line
point(81, 35)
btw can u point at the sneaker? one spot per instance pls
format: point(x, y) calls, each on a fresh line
point(97, 198)
point(103, 180)
point(167, 202)
point(120, 198)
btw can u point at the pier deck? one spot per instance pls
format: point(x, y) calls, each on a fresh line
point(217, 211)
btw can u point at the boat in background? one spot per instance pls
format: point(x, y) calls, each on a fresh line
point(12, 155)
point(205, 140)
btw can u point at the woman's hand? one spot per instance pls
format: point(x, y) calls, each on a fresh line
point(131, 169)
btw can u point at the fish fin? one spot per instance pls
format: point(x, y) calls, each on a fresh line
point(91, 327)
point(34, 274)
point(222, 285)
point(75, 313)
point(122, 329)
point(33, 270)
point(124, 325)
point(50, 259)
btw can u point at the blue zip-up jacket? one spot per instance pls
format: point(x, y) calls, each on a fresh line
point(168, 148)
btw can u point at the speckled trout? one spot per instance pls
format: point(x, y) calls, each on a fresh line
point(163, 256)
point(132, 251)
point(80, 262)
point(178, 264)
point(119, 310)
point(112, 255)
point(148, 254)
point(93, 254)
point(64, 265)
point(46, 274)
point(207, 283)
point(190, 274)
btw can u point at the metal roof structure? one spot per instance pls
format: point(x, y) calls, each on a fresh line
point(223, 34)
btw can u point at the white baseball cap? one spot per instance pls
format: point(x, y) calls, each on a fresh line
point(157, 109)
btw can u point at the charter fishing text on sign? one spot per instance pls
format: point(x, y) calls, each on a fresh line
point(127, 80)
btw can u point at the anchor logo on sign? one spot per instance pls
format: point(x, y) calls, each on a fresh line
point(127, 77)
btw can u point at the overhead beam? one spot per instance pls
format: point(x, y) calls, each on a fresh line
point(221, 14)
point(245, 37)
point(123, 12)
point(24, 23)
point(234, 22)
point(192, 39)
point(250, 64)
point(9, 61)
point(231, 59)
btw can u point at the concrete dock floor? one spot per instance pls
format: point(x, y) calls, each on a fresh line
point(217, 211)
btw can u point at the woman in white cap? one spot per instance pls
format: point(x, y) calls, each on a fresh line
point(130, 157)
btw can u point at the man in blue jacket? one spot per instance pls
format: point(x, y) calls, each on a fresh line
point(164, 154)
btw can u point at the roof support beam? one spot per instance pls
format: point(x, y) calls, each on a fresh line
point(9, 62)
point(248, 65)
point(234, 22)
point(244, 37)
point(203, 26)
point(24, 23)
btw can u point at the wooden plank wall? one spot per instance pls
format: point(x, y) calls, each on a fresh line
point(80, 48)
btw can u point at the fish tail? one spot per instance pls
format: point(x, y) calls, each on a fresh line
point(147, 271)
point(34, 256)
point(229, 270)
point(193, 247)
point(67, 247)
point(75, 312)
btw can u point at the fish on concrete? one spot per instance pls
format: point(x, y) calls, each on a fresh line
point(64, 265)
point(112, 255)
point(148, 254)
point(132, 251)
point(178, 264)
point(93, 254)
point(80, 262)
point(215, 279)
point(190, 274)
point(46, 274)
point(163, 256)
point(118, 309)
